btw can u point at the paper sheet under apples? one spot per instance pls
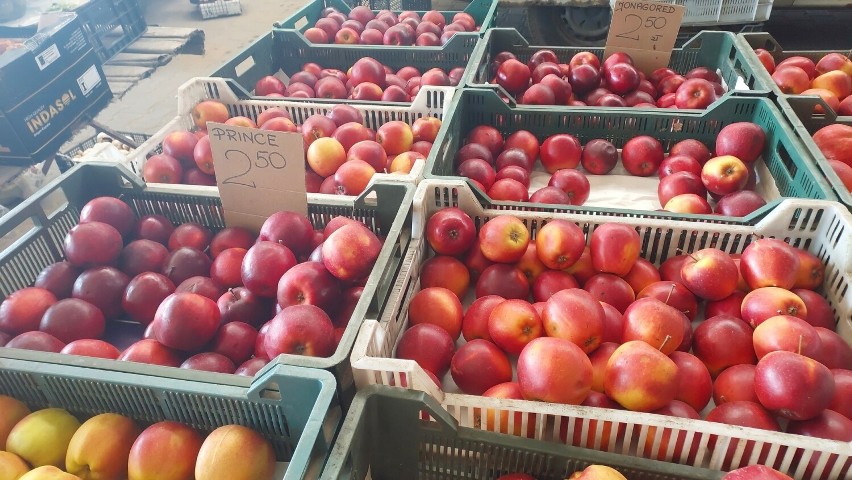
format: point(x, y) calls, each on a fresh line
point(619, 189)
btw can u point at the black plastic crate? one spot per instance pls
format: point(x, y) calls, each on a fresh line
point(111, 24)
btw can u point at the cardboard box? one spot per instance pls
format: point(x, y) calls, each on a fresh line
point(49, 49)
point(35, 128)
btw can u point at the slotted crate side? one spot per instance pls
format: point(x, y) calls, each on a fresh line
point(799, 111)
point(750, 41)
point(716, 50)
point(789, 164)
point(417, 448)
point(820, 227)
point(292, 407)
point(112, 24)
point(388, 214)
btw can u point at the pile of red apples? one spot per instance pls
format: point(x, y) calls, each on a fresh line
point(341, 153)
point(502, 166)
point(830, 77)
point(583, 81)
point(225, 302)
point(592, 323)
point(366, 27)
point(367, 80)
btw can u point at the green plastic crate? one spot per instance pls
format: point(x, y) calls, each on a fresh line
point(716, 50)
point(750, 41)
point(799, 111)
point(294, 408)
point(34, 232)
point(275, 53)
point(290, 49)
point(787, 161)
point(384, 435)
point(483, 11)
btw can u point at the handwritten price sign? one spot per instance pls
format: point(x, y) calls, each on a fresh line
point(645, 30)
point(258, 172)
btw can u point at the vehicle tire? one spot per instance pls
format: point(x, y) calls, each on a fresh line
point(569, 26)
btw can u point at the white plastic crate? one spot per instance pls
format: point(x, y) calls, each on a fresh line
point(220, 8)
point(714, 12)
point(821, 227)
point(430, 101)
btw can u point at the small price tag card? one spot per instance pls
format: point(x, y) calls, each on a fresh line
point(258, 172)
point(645, 30)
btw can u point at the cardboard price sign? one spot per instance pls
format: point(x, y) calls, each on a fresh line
point(258, 172)
point(645, 30)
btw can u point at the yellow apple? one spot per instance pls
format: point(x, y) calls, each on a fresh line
point(234, 452)
point(164, 451)
point(600, 472)
point(42, 437)
point(48, 472)
point(12, 466)
point(11, 412)
point(101, 446)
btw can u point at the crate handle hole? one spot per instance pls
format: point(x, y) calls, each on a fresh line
point(300, 23)
point(241, 68)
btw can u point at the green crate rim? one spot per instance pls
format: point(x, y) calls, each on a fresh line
point(786, 130)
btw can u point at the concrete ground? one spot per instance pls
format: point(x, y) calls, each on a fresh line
point(151, 103)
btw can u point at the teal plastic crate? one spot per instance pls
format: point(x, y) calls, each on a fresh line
point(799, 111)
point(483, 11)
point(290, 49)
point(284, 52)
point(716, 50)
point(35, 229)
point(385, 436)
point(788, 163)
point(294, 408)
point(750, 41)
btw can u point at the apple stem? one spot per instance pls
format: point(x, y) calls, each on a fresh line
point(669, 296)
point(668, 337)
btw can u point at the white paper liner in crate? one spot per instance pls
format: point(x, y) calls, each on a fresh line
point(619, 189)
point(821, 227)
point(430, 101)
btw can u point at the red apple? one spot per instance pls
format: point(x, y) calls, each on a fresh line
point(554, 370)
point(438, 306)
point(513, 324)
point(710, 274)
point(429, 345)
point(781, 376)
point(766, 302)
point(186, 321)
point(300, 330)
point(479, 365)
point(785, 332)
point(654, 322)
point(614, 248)
point(769, 262)
point(744, 140)
point(691, 148)
point(696, 93)
point(599, 156)
point(573, 183)
point(642, 155)
point(502, 279)
point(574, 315)
point(628, 382)
point(735, 383)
